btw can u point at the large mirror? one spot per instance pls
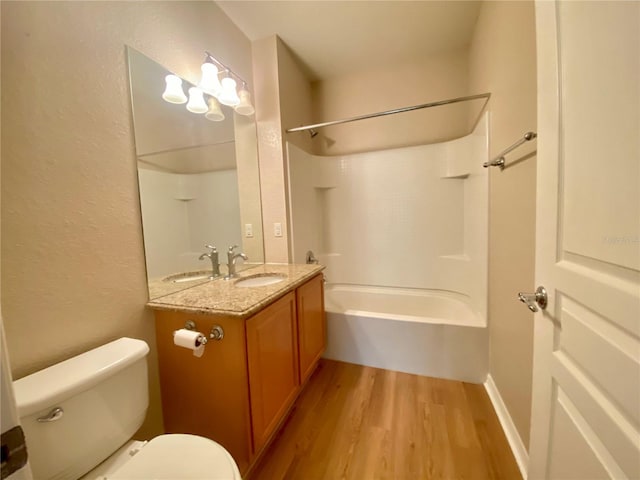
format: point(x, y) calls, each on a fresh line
point(199, 183)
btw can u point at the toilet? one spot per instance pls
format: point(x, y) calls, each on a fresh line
point(79, 415)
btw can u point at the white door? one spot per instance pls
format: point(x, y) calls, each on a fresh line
point(586, 392)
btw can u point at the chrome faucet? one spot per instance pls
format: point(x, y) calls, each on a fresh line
point(231, 261)
point(310, 258)
point(213, 256)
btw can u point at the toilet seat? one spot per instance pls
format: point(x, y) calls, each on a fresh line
point(180, 456)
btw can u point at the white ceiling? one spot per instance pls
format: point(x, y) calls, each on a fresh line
point(334, 38)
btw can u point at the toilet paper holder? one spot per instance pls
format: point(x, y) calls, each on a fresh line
point(216, 333)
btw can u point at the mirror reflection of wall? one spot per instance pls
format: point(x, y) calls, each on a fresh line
point(182, 213)
point(189, 172)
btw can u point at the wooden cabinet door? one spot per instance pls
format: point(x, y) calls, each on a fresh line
point(311, 325)
point(206, 396)
point(273, 366)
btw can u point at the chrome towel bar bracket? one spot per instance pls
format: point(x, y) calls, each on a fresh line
point(498, 161)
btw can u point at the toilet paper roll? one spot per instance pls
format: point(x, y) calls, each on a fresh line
point(189, 339)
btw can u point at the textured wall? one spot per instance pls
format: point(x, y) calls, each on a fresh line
point(73, 274)
point(503, 61)
point(270, 148)
point(283, 100)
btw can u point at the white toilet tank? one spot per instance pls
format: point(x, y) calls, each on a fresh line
point(103, 396)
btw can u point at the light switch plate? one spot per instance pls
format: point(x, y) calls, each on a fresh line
point(248, 230)
point(277, 229)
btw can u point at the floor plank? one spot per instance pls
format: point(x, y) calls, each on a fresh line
point(361, 423)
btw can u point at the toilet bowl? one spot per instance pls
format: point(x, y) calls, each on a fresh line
point(79, 417)
point(170, 457)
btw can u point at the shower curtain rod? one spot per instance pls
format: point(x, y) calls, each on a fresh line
point(391, 112)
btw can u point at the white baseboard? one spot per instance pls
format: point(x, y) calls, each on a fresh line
point(510, 430)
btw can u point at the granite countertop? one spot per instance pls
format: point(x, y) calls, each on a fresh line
point(159, 287)
point(222, 297)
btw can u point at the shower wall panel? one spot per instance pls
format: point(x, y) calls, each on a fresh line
point(182, 213)
point(413, 217)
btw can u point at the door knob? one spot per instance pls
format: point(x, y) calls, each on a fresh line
point(534, 300)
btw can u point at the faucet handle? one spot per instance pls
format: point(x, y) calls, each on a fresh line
point(232, 248)
point(212, 248)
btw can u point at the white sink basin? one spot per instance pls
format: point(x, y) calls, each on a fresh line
point(187, 277)
point(260, 280)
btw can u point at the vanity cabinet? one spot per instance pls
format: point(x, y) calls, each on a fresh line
point(239, 392)
point(272, 359)
point(312, 335)
point(207, 396)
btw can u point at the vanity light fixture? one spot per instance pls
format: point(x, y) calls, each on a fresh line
point(214, 113)
point(229, 96)
point(210, 85)
point(225, 90)
point(196, 101)
point(245, 107)
point(173, 92)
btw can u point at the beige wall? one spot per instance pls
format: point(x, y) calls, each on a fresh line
point(296, 99)
point(502, 61)
point(387, 87)
point(249, 188)
point(283, 100)
point(270, 148)
point(73, 274)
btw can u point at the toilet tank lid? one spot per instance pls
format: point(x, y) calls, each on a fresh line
point(58, 382)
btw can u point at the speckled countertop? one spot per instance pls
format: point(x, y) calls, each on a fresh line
point(224, 298)
point(159, 287)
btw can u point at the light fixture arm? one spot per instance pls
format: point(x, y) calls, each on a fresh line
point(210, 58)
point(218, 91)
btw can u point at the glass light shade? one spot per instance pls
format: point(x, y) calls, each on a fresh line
point(229, 96)
point(196, 101)
point(245, 107)
point(210, 82)
point(173, 92)
point(214, 113)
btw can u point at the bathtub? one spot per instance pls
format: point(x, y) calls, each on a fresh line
point(425, 332)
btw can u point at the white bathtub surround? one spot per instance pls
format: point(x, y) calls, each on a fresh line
point(171, 201)
point(413, 217)
point(432, 333)
point(405, 218)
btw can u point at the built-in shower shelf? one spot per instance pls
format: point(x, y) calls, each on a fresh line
point(460, 176)
point(460, 257)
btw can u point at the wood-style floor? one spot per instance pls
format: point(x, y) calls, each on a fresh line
point(362, 423)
